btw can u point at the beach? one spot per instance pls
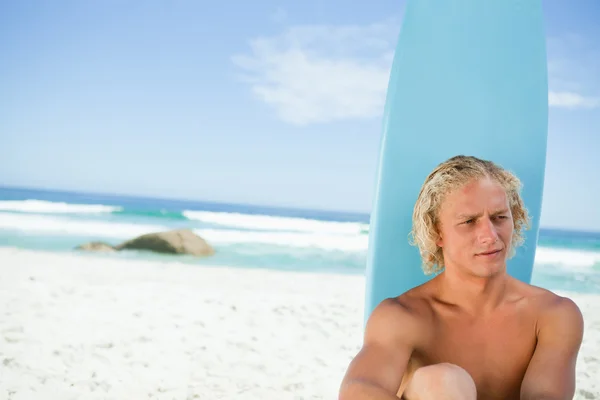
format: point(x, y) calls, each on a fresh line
point(83, 326)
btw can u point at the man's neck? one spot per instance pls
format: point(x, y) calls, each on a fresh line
point(475, 295)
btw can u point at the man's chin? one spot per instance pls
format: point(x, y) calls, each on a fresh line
point(491, 266)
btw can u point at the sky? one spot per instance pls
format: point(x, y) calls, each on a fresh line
point(269, 102)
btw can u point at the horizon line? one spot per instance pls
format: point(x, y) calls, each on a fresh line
point(257, 206)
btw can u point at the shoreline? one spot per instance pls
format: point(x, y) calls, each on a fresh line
point(77, 326)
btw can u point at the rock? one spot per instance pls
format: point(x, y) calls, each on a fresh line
point(96, 246)
point(180, 241)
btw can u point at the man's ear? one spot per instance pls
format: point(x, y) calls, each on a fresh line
point(439, 241)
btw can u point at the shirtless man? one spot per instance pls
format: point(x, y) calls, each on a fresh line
point(472, 331)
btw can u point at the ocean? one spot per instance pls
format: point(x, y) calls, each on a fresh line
point(248, 236)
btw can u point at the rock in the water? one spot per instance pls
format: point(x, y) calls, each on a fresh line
point(96, 246)
point(181, 241)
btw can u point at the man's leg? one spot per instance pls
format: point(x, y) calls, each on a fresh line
point(441, 382)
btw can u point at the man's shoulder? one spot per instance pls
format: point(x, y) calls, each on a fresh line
point(412, 304)
point(552, 308)
point(404, 307)
point(546, 299)
point(555, 309)
point(404, 317)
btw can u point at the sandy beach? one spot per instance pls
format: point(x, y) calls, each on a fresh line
point(92, 327)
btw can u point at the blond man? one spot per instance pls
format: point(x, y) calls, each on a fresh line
point(472, 331)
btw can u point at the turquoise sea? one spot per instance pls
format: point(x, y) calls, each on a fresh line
point(249, 236)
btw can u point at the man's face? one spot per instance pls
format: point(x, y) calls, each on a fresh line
point(476, 228)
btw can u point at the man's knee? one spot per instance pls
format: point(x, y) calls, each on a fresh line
point(441, 381)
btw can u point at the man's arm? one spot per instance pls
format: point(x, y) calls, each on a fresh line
point(376, 371)
point(551, 371)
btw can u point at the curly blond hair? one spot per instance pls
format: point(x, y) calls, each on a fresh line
point(446, 177)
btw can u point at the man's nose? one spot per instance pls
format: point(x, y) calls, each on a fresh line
point(487, 231)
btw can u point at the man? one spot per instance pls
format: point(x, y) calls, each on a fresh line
point(472, 331)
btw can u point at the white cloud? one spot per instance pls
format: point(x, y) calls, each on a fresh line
point(319, 74)
point(572, 71)
point(323, 73)
point(572, 100)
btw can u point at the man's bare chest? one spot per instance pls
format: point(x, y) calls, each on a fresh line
point(496, 352)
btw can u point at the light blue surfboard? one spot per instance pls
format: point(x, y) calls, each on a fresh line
point(468, 77)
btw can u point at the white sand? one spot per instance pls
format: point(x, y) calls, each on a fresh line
point(90, 327)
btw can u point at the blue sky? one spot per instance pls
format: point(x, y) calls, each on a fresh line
point(267, 102)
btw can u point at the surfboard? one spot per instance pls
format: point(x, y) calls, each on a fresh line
point(468, 77)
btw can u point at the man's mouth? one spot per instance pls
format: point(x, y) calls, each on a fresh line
point(489, 253)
